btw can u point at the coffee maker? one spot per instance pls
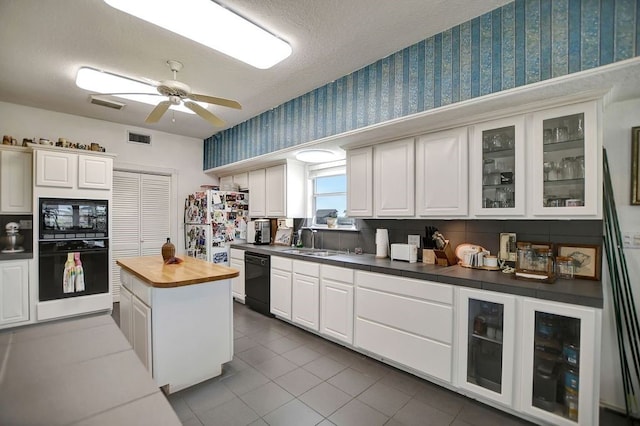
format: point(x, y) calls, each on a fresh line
point(263, 231)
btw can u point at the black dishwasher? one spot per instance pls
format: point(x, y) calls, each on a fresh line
point(257, 269)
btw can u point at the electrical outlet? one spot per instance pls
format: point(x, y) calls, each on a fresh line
point(631, 240)
point(414, 239)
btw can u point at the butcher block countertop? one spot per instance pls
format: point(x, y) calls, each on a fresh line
point(153, 271)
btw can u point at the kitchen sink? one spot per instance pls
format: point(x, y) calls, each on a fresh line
point(312, 252)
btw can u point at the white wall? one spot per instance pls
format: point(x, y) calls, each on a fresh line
point(167, 153)
point(619, 118)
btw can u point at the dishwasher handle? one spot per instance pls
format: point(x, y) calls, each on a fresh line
point(256, 260)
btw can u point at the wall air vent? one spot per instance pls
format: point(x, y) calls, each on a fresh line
point(96, 100)
point(139, 138)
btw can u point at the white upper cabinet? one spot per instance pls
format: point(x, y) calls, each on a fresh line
point(15, 181)
point(497, 167)
point(257, 207)
point(276, 186)
point(56, 169)
point(277, 191)
point(360, 182)
point(94, 172)
point(566, 161)
point(441, 174)
point(70, 170)
point(394, 179)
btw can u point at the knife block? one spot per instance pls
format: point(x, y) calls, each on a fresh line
point(446, 256)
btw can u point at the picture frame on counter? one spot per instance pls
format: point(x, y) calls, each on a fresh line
point(635, 165)
point(587, 259)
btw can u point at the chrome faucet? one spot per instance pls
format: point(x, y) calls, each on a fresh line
point(313, 236)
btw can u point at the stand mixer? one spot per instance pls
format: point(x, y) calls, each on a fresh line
point(11, 242)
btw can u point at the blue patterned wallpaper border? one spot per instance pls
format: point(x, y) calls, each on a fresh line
point(523, 42)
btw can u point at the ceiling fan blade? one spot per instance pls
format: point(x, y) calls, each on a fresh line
point(158, 112)
point(127, 93)
point(213, 100)
point(204, 113)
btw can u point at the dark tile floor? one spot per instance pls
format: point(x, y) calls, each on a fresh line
point(282, 375)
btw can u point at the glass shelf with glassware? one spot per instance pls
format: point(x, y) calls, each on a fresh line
point(498, 164)
point(564, 163)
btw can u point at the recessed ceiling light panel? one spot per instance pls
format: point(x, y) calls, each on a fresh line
point(316, 156)
point(212, 25)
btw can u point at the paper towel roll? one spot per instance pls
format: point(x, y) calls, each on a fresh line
point(382, 242)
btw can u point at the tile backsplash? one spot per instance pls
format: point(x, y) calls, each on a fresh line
point(482, 232)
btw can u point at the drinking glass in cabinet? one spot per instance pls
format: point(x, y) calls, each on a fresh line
point(484, 363)
point(556, 365)
point(498, 163)
point(563, 163)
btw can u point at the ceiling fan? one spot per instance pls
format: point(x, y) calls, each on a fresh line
point(177, 93)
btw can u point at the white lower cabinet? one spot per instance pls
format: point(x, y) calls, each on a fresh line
point(486, 343)
point(407, 321)
point(141, 332)
point(336, 303)
point(14, 292)
point(281, 277)
point(237, 283)
point(560, 362)
point(305, 294)
point(135, 321)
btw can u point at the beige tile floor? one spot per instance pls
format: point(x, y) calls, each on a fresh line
point(282, 375)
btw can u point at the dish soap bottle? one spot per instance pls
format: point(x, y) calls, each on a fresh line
point(168, 250)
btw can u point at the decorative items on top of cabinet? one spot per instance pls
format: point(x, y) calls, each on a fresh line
point(394, 178)
point(497, 184)
point(15, 180)
point(566, 161)
point(441, 173)
point(486, 343)
point(560, 362)
point(360, 182)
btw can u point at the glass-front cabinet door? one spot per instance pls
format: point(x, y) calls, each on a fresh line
point(566, 161)
point(497, 165)
point(560, 362)
point(487, 344)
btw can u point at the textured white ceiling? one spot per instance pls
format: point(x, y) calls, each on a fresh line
point(44, 43)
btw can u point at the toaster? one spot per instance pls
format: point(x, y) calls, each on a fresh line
point(406, 252)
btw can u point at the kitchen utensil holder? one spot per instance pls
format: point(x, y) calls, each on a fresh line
point(446, 256)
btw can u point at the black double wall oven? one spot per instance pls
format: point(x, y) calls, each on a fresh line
point(73, 248)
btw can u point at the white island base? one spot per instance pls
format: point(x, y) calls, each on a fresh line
point(181, 334)
point(192, 333)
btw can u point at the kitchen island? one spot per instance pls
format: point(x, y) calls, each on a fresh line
point(178, 318)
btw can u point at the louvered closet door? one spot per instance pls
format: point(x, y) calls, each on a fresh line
point(141, 217)
point(155, 215)
point(125, 238)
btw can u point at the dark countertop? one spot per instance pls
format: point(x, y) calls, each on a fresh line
point(76, 371)
point(576, 292)
point(16, 256)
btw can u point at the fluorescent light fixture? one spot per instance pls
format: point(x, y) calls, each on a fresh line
point(316, 156)
point(212, 25)
point(105, 82)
